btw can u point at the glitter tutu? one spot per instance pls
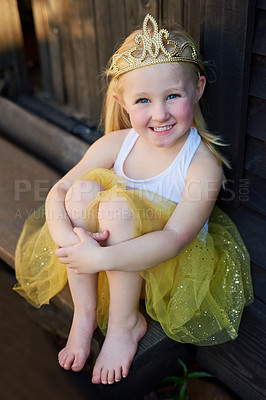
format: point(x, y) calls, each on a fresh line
point(198, 296)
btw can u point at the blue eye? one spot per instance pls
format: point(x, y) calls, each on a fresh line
point(172, 96)
point(143, 101)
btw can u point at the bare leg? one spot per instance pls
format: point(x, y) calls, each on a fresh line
point(77, 350)
point(83, 287)
point(126, 324)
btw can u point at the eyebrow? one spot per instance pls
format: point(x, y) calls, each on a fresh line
point(171, 89)
point(141, 94)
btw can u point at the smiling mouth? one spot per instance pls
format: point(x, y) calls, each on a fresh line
point(163, 128)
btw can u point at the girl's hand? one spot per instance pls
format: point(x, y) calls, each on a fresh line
point(82, 256)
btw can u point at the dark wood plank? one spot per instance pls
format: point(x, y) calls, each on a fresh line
point(257, 118)
point(110, 28)
point(136, 10)
point(253, 192)
point(93, 95)
point(24, 184)
point(255, 159)
point(62, 117)
point(260, 33)
point(259, 282)
point(46, 141)
point(192, 12)
point(258, 77)
point(104, 31)
point(118, 21)
point(70, 58)
point(67, 54)
point(42, 33)
point(18, 47)
point(229, 44)
point(53, 10)
point(252, 228)
point(173, 11)
point(5, 55)
point(145, 7)
point(79, 58)
point(261, 4)
point(12, 48)
point(240, 364)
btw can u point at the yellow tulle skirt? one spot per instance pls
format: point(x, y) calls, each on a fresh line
point(198, 296)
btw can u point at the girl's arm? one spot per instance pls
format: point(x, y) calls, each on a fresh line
point(202, 187)
point(100, 155)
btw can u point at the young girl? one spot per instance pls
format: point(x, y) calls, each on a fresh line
point(136, 216)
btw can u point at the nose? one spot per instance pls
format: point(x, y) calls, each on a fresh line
point(160, 112)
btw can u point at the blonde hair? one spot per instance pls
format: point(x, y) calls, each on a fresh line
point(115, 117)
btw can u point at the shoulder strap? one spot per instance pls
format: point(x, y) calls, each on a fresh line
point(125, 149)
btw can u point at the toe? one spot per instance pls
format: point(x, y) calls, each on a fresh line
point(62, 357)
point(78, 363)
point(96, 379)
point(96, 375)
point(125, 371)
point(65, 359)
point(118, 375)
point(111, 377)
point(104, 376)
point(68, 361)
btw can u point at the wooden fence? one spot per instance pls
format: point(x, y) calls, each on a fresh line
point(12, 61)
point(76, 38)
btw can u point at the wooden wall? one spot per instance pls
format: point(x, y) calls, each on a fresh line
point(12, 61)
point(77, 38)
point(237, 109)
point(255, 151)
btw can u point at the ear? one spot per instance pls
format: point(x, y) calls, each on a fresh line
point(119, 100)
point(200, 88)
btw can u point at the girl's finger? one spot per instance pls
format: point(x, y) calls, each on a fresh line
point(61, 252)
point(99, 236)
point(64, 261)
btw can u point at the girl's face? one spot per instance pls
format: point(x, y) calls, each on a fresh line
point(159, 100)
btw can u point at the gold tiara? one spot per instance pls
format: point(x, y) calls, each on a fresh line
point(153, 50)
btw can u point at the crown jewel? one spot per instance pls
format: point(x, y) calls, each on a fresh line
point(153, 49)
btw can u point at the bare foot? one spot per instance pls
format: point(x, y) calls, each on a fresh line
point(118, 350)
point(77, 349)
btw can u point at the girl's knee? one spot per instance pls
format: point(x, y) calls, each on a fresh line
point(83, 190)
point(78, 197)
point(115, 211)
point(115, 215)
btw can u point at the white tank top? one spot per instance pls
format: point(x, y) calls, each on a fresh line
point(171, 182)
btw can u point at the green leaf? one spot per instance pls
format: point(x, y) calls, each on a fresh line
point(184, 366)
point(171, 398)
point(173, 379)
point(175, 386)
point(195, 375)
point(183, 391)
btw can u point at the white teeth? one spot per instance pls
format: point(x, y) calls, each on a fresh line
point(165, 128)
